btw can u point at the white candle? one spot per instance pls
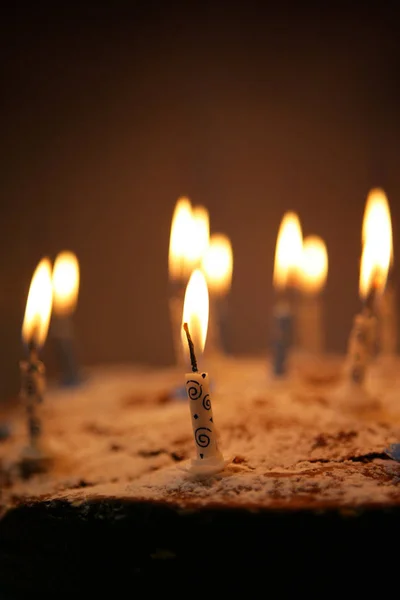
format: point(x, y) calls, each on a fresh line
point(209, 458)
point(188, 242)
point(34, 332)
point(314, 270)
point(65, 296)
point(377, 230)
point(363, 338)
point(217, 266)
point(361, 347)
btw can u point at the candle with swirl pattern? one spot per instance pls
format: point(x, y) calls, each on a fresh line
point(209, 459)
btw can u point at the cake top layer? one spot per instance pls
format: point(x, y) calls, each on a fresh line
point(308, 442)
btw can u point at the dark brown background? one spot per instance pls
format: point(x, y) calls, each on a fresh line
point(252, 109)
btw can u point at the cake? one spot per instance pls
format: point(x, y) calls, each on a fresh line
point(310, 487)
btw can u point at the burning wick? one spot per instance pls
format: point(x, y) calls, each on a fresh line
point(209, 458)
point(193, 359)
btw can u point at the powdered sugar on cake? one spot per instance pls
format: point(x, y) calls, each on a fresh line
point(123, 436)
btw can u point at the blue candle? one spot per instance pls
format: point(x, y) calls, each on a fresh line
point(288, 256)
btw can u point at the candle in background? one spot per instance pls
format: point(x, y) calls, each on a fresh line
point(373, 274)
point(179, 268)
point(34, 332)
point(314, 270)
point(217, 266)
point(288, 254)
point(200, 236)
point(65, 296)
point(188, 241)
point(377, 228)
point(209, 458)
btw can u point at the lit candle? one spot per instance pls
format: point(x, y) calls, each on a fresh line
point(34, 332)
point(209, 458)
point(188, 241)
point(314, 270)
point(373, 274)
point(377, 228)
point(218, 266)
point(285, 279)
point(65, 297)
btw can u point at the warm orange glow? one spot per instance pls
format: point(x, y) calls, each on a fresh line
point(218, 264)
point(199, 236)
point(314, 264)
point(195, 312)
point(179, 263)
point(65, 283)
point(377, 244)
point(288, 251)
point(377, 223)
point(38, 306)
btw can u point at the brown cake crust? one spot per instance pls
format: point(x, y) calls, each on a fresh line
point(300, 454)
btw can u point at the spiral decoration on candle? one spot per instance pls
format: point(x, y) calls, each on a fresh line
point(202, 439)
point(207, 402)
point(194, 390)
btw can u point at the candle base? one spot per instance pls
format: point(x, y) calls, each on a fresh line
point(34, 460)
point(353, 397)
point(5, 431)
point(202, 468)
point(393, 451)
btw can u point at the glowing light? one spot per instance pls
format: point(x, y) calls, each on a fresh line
point(314, 264)
point(195, 311)
point(288, 253)
point(38, 305)
point(218, 264)
point(65, 283)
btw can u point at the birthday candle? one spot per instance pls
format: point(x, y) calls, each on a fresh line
point(286, 271)
point(209, 458)
point(34, 332)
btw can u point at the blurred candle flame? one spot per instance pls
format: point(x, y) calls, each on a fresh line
point(179, 262)
point(377, 221)
point(65, 283)
point(377, 244)
point(199, 235)
point(314, 264)
point(218, 264)
point(195, 312)
point(288, 253)
point(38, 306)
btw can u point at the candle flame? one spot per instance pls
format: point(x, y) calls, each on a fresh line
point(65, 283)
point(314, 264)
point(218, 264)
point(199, 236)
point(38, 305)
point(377, 244)
point(179, 263)
point(377, 219)
point(288, 251)
point(195, 311)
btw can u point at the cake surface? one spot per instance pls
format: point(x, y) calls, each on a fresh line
point(300, 452)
